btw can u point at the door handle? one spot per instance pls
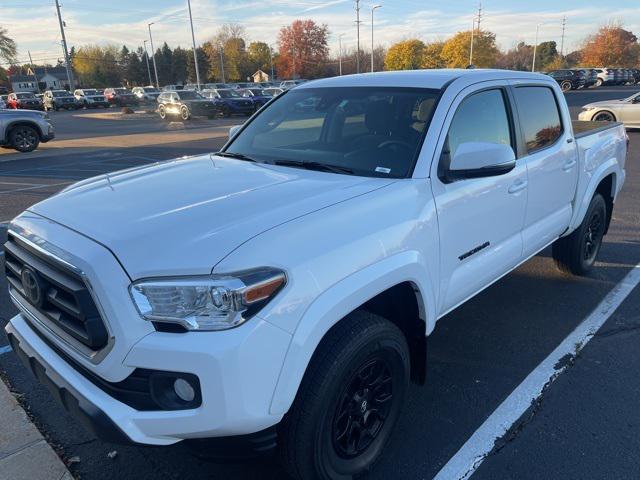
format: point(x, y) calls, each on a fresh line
point(569, 165)
point(518, 186)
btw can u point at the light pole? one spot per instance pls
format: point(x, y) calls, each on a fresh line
point(67, 61)
point(358, 35)
point(373, 9)
point(271, 61)
point(153, 52)
point(222, 63)
point(146, 55)
point(535, 49)
point(340, 51)
point(473, 27)
point(193, 39)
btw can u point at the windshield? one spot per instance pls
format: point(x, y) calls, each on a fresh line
point(189, 95)
point(228, 93)
point(150, 89)
point(90, 92)
point(25, 95)
point(257, 92)
point(120, 90)
point(372, 131)
point(60, 93)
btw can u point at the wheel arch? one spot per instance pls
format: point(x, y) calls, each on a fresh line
point(393, 288)
point(22, 123)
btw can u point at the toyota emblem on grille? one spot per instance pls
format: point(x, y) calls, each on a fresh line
point(31, 285)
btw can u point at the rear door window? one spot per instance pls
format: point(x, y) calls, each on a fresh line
point(539, 117)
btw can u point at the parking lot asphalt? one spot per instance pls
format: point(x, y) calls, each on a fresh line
point(584, 425)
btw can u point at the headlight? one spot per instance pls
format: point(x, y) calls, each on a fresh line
point(216, 302)
point(586, 109)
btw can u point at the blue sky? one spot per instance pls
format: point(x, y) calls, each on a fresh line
point(33, 23)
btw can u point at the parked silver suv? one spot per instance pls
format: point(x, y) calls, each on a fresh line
point(24, 129)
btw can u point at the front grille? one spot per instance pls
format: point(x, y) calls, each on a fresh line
point(57, 293)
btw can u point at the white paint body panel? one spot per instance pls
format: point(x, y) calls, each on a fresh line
point(341, 240)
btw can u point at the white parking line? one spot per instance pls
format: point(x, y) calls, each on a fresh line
point(5, 349)
point(466, 461)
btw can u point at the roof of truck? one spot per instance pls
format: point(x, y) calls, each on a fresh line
point(420, 78)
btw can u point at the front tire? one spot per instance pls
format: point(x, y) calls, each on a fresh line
point(576, 253)
point(162, 112)
point(604, 116)
point(565, 86)
point(348, 401)
point(599, 82)
point(24, 138)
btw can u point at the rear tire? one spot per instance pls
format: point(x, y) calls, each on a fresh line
point(576, 253)
point(348, 401)
point(599, 82)
point(185, 114)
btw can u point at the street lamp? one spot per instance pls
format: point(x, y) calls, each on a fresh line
point(535, 49)
point(146, 55)
point(373, 9)
point(222, 63)
point(271, 60)
point(473, 27)
point(193, 39)
point(340, 51)
point(153, 52)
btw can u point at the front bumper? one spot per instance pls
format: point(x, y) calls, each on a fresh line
point(586, 115)
point(237, 369)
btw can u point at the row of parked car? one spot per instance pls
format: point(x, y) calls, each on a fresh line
point(258, 93)
point(573, 79)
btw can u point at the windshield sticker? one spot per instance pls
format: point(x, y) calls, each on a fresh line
point(383, 170)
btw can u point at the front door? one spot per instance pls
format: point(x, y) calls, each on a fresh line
point(480, 219)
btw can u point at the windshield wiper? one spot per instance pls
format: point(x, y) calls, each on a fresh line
point(238, 156)
point(321, 167)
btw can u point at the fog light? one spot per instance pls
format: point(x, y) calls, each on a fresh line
point(184, 390)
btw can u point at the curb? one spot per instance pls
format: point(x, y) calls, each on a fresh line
point(24, 453)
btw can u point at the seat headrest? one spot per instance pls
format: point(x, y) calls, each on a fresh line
point(424, 109)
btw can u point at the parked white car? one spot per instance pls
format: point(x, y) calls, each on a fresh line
point(626, 111)
point(284, 287)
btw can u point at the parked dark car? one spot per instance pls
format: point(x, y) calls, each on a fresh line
point(91, 98)
point(590, 76)
point(635, 73)
point(568, 79)
point(214, 86)
point(147, 94)
point(57, 99)
point(120, 97)
point(259, 96)
point(230, 101)
point(186, 104)
point(24, 100)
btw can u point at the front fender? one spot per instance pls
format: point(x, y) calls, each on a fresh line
point(338, 301)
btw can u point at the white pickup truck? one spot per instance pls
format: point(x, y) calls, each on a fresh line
point(279, 293)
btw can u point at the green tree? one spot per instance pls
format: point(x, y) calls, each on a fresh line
point(8, 48)
point(259, 54)
point(179, 61)
point(546, 53)
point(405, 55)
point(455, 51)
point(203, 66)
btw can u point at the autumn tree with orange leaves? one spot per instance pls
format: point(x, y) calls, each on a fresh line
point(303, 49)
point(612, 46)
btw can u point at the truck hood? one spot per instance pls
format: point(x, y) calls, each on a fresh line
point(183, 216)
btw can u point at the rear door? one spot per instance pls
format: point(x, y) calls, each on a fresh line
point(551, 160)
point(480, 219)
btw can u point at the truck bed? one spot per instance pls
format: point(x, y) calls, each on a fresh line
point(582, 129)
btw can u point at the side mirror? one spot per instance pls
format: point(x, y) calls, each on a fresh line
point(233, 130)
point(480, 159)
